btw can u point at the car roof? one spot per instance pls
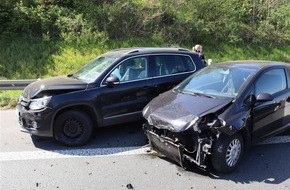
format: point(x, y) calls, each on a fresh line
point(146, 50)
point(258, 64)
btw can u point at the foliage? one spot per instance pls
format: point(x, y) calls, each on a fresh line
point(9, 98)
point(261, 22)
point(43, 38)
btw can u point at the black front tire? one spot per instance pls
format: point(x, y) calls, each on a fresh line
point(73, 128)
point(227, 153)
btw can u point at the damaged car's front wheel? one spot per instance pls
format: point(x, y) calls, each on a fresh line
point(227, 153)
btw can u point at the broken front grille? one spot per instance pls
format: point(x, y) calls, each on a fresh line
point(187, 138)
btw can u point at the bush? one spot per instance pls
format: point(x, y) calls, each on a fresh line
point(261, 22)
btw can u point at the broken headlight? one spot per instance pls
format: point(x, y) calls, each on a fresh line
point(39, 103)
point(208, 122)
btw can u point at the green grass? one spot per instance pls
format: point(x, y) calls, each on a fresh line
point(8, 99)
point(230, 52)
point(26, 58)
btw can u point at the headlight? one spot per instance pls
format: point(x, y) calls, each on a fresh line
point(222, 122)
point(39, 103)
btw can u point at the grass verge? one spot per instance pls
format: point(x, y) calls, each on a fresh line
point(31, 59)
point(9, 98)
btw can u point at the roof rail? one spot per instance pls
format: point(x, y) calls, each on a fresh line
point(182, 49)
point(138, 49)
point(119, 49)
point(133, 51)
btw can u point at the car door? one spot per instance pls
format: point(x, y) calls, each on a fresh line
point(124, 102)
point(169, 70)
point(286, 120)
point(268, 116)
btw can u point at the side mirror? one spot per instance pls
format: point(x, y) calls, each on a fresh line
point(112, 80)
point(264, 97)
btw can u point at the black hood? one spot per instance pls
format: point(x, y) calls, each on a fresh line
point(175, 111)
point(53, 84)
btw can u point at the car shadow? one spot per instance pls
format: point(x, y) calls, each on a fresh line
point(113, 138)
point(263, 163)
point(267, 163)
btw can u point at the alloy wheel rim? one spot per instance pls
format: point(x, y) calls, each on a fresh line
point(233, 152)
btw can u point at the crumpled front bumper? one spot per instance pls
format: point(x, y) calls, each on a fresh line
point(35, 122)
point(177, 151)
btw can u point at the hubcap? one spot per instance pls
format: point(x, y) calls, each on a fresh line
point(72, 128)
point(233, 152)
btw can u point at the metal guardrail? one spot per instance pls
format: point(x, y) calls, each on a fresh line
point(15, 84)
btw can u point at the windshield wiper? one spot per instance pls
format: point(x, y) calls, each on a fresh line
point(205, 95)
point(195, 93)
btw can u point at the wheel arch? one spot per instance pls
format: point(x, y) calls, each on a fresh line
point(243, 132)
point(93, 114)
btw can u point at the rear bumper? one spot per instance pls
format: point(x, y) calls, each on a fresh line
point(35, 122)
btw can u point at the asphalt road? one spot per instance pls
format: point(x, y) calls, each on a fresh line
point(118, 158)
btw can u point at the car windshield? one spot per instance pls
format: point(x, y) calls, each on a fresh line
point(217, 81)
point(94, 68)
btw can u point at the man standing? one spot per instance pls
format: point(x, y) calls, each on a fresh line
point(198, 48)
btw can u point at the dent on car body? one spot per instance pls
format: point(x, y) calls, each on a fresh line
point(187, 118)
point(218, 111)
point(52, 86)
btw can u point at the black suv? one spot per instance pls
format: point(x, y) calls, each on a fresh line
point(111, 89)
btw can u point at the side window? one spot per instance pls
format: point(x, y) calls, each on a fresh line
point(271, 82)
point(132, 69)
point(171, 64)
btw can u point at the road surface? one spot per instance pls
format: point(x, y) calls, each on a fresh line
point(119, 158)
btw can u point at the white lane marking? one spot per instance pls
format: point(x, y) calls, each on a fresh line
point(45, 154)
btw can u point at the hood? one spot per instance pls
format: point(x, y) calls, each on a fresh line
point(176, 111)
point(53, 84)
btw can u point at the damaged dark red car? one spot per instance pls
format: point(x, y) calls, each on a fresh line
point(212, 116)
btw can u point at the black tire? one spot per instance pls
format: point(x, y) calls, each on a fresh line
point(227, 153)
point(73, 128)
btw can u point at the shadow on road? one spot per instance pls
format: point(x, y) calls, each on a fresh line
point(261, 163)
point(118, 136)
point(268, 163)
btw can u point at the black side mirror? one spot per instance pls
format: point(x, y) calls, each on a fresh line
point(264, 97)
point(112, 80)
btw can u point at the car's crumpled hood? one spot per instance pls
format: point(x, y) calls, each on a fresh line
point(174, 111)
point(54, 83)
